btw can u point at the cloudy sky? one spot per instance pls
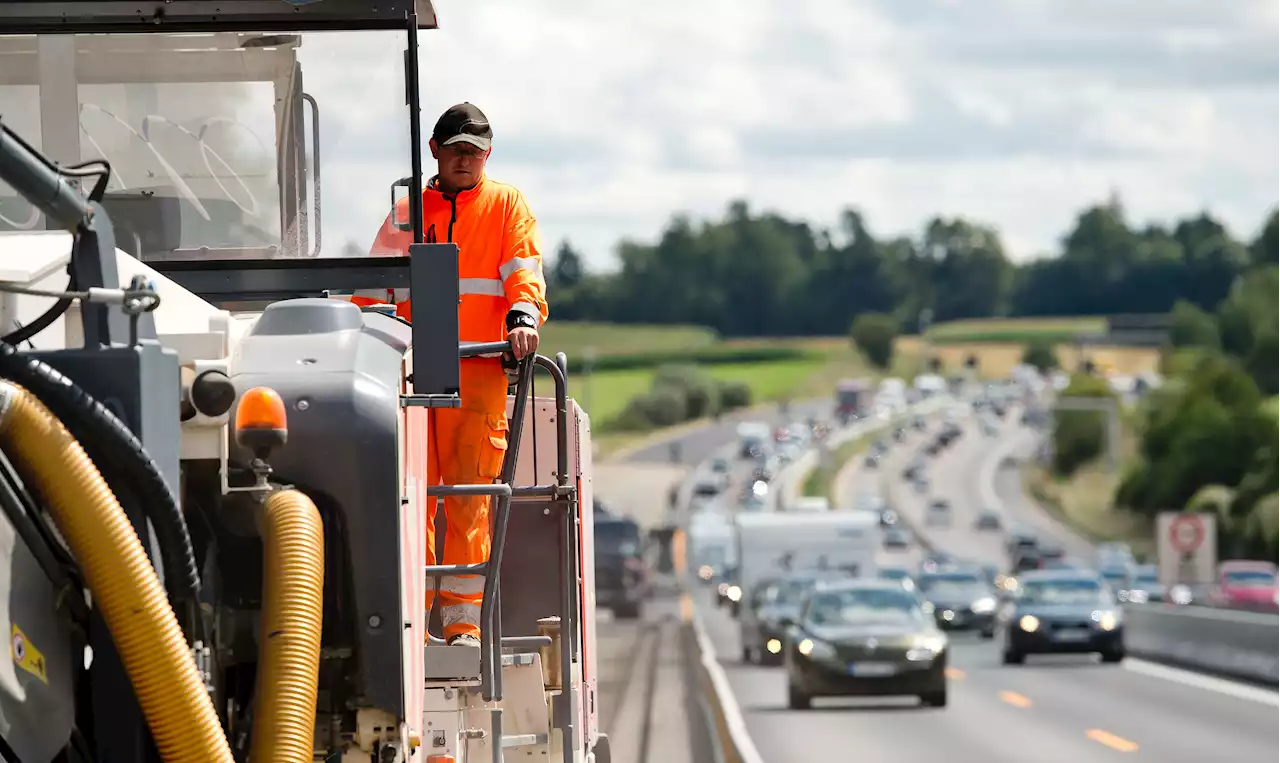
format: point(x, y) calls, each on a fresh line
point(611, 115)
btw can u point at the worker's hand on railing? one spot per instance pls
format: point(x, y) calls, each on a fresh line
point(524, 341)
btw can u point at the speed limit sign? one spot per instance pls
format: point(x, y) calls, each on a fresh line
point(1186, 547)
point(1186, 533)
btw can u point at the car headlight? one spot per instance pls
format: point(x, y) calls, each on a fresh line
point(774, 646)
point(927, 608)
point(734, 593)
point(816, 649)
point(1107, 621)
point(1029, 623)
point(925, 648)
point(705, 572)
point(984, 605)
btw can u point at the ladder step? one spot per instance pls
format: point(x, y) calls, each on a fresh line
point(523, 740)
point(443, 663)
point(517, 659)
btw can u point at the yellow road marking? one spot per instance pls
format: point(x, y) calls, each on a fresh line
point(954, 673)
point(1119, 744)
point(1015, 699)
point(686, 608)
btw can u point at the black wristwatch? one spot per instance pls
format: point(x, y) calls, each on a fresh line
point(517, 319)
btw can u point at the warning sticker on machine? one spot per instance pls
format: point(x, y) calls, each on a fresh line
point(27, 656)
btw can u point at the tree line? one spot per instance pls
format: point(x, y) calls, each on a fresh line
point(1207, 439)
point(763, 274)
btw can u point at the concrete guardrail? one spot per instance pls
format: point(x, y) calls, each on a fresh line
point(729, 739)
point(1232, 643)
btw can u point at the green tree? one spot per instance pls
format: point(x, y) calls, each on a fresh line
point(1192, 327)
point(873, 335)
point(1079, 436)
point(1041, 353)
point(567, 270)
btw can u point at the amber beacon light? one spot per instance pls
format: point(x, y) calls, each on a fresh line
point(261, 422)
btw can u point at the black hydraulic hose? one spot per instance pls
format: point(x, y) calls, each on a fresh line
point(118, 454)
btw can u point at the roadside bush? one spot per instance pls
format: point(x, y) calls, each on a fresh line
point(681, 393)
point(971, 361)
point(873, 335)
point(1079, 436)
point(1040, 353)
point(659, 407)
point(699, 391)
point(734, 395)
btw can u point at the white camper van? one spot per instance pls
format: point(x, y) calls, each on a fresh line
point(772, 544)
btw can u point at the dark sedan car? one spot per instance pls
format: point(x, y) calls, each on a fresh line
point(895, 539)
point(865, 637)
point(987, 519)
point(773, 601)
point(961, 600)
point(1063, 611)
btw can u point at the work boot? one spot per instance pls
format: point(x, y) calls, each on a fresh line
point(464, 639)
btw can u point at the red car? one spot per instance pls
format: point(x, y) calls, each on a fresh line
point(1246, 585)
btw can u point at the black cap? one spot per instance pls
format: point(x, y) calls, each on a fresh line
point(463, 123)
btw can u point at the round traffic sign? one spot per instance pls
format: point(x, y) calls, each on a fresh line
point(1186, 533)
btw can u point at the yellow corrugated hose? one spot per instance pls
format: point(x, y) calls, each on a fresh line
point(120, 576)
point(284, 714)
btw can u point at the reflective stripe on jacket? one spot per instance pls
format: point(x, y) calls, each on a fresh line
point(499, 256)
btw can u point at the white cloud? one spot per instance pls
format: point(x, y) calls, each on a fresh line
point(613, 115)
point(1014, 112)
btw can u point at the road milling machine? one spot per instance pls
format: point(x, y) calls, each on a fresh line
point(212, 471)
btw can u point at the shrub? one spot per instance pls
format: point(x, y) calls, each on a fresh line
point(873, 335)
point(1079, 436)
point(1041, 353)
point(734, 395)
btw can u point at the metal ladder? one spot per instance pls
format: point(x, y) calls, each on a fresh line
point(563, 494)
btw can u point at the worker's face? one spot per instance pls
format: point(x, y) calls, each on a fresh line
point(459, 165)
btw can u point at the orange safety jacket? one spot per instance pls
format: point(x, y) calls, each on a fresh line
point(499, 257)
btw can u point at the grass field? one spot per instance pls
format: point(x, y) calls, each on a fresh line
point(1019, 330)
point(996, 359)
point(579, 339)
point(998, 344)
point(1084, 501)
point(604, 394)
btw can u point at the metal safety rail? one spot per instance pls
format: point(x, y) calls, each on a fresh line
point(562, 494)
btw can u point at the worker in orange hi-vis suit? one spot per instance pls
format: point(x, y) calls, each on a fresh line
point(503, 298)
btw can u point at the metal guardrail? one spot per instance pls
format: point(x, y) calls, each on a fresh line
point(1233, 643)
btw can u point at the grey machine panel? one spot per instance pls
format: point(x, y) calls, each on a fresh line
point(339, 372)
point(36, 715)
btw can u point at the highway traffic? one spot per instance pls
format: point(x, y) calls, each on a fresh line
point(1054, 708)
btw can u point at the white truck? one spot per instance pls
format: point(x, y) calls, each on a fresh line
point(712, 550)
point(772, 544)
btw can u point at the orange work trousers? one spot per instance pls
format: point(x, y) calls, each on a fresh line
point(467, 446)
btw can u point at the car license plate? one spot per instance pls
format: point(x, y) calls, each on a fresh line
point(872, 669)
point(1072, 635)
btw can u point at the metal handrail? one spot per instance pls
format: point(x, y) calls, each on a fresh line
point(564, 493)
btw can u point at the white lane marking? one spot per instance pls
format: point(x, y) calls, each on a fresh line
point(733, 720)
point(1201, 681)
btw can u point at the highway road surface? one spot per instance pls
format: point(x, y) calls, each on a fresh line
point(644, 704)
point(1050, 710)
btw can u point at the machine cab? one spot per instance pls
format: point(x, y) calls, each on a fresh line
point(252, 156)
